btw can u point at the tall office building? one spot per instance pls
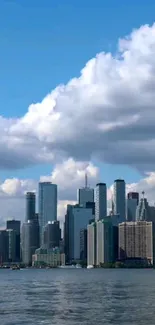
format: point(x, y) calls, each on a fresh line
point(119, 199)
point(76, 218)
point(133, 196)
point(143, 212)
point(83, 244)
point(4, 247)
point(47, 205)
point(100, 201)
point(52, 234)
point(104, 242)
point(30, 206)
point(15, 226)
point(91, 244)
point(85, 194)
point(131, 209)
point(136, 241)
point(30, 240)
point(11, 245)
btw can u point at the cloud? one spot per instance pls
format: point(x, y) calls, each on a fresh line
point(107, 113)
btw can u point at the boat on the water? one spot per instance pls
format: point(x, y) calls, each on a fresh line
point(90, 267)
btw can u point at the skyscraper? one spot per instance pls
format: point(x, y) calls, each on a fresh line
point(131, 209)
point(85, 194)
point(30, 240)
point(91, 244)
point(100, 201)
point(47, 205)
point(104, 241)
point(119, 198)
point(76, 218)
point(133, 195)
point(15, 226)
point(52, 234)
point(143, 212)
point(30, 206)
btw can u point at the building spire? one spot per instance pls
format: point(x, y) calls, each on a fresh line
point(86, 180)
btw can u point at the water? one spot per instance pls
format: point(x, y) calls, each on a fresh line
point(77, 296)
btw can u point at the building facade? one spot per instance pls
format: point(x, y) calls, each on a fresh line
point(30, 206)
point(104, 242)
point(15, 226)
point(136, 241)
point(30, 240)
point(133, 196)
point(83, 244)
point(44, 257)
point(91, 244)
point(76, 218)
point(100, 201)
point(4, 247)
point(84, 195)
point(119, 198)
point(131, 209)
point(52, 234)
point(143, 210)
point(47, 205)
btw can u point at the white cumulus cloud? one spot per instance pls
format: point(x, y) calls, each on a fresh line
point(108, 112)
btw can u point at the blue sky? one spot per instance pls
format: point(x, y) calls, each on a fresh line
point(47, 42)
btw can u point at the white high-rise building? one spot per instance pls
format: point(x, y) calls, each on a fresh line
point(119, 198)
point(47, 204)
point(104, 241)
point(91, 244)
point(100, 201)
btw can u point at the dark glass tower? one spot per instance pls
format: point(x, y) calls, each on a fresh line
point(30, 206)
point(15, 226)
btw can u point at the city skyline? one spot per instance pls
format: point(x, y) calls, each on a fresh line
point(41, 89)
point(106, 196)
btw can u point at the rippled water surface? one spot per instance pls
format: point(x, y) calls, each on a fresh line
point(78, 296)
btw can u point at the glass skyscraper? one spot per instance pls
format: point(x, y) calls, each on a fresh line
point(30, 206)
point(119, 198)
point(100, 201)
point(47, 205)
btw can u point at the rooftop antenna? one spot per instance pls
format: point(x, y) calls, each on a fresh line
point(86, 180)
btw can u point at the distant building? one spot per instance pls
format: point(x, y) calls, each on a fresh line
point(52, 234)
point(11, 245)
point(85, 194)
point(4, 247)
point(76, 218)
point(83, 244)
point(131, 209)
point(133, 196)
point(47, 205)
point(45, 257)
point(104, 242)
point(15, 226)
point(91, 244)
point(91, 205)
point(100, 201)
point(30, 240)
point(119, 199)
point(143, 212)
point(30, 206)
point(136, 240)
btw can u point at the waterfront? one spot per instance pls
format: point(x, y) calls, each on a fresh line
point(73, 297)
